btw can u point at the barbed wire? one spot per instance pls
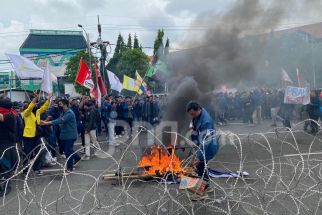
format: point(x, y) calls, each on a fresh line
point(284, 166)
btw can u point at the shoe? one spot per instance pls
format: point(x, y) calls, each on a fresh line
point(67, 172)
point(86, 158)
point(39, 172)
point(76, 163)
point(209, 189)
point(114, 144)
point(197, 197)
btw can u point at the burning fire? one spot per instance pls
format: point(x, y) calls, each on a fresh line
point(161, 161)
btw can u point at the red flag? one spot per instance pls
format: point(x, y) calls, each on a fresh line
point(99, 81)
point(84, 75)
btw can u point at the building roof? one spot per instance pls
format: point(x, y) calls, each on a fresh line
point(315, 30)
point(55, 40)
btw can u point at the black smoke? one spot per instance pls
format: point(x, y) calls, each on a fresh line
point(221, 54)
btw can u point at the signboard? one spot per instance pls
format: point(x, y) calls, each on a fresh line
point(297, 95)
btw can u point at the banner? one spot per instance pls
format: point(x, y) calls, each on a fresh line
point(47, 82)
point(24, 67)
point(84, 75)
point(297, 95)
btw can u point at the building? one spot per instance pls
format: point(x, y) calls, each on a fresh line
point(53, 46)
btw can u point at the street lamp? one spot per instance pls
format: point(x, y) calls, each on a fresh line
point(88, 44)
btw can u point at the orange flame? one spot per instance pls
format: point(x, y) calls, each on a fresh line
point(159, 162)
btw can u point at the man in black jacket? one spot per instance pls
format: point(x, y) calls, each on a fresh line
point(8, 150)
point(92, 116)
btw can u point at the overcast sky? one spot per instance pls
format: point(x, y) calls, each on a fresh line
point(142, 17)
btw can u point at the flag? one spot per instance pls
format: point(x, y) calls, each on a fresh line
point(47, 83)
point(150, 73)
point(130, 84)
point(114, 82)
point(158, 70)
point(99, 80)
point(285, 77)
point(84, 75)
point(24, 67)
point(139, 81)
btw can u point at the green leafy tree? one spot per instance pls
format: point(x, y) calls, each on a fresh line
point(119, 48)
point(130, 61)
point(129, 42)
point(72, 70)
point(136, 42)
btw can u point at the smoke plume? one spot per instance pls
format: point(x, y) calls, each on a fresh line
point(221, 54)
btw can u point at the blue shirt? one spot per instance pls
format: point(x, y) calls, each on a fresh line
point(68, 125)
point(205, 136)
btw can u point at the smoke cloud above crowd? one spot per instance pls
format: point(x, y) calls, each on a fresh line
point(221, 54)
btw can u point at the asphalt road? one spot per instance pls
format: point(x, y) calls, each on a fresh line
point(285, 178)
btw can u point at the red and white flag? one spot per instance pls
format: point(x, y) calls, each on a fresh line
point(99, 81)
point(83, 76)
point(285, 77)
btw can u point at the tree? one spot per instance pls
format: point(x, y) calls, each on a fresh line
point(130, 61)
point(72, 69)
point(120, 45)
point(167, 47)
point(158, 42)
point(129, 42)
point(136, 42)
point(119, 48)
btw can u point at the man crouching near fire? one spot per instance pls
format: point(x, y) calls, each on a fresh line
point(204, 136)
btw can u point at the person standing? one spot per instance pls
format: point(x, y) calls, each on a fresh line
point(31, 134)
point(8, 150)
point(90, 128)
point(111, 125)
point(68, 134)
point(204, 136)
point(314, 111)
point(129, 114)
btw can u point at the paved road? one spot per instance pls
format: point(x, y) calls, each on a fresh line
point(285, 178)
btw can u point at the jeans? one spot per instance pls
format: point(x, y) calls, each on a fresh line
point(111, 127)
point(202, 170)
point(258, 113)
point(274, 112)
point(31, 148)
point(70, 154)
point(90, 137)
point(52, 144)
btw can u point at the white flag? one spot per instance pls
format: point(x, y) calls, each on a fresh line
point(47, 83)
point(114, 82)
point(285, 76)
point(24, 67)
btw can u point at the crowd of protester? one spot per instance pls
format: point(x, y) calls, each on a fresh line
point(60, 122)
point(252, 107)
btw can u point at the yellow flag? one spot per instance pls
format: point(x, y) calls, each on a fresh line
point(130, 84)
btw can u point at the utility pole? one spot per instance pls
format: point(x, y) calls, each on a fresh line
point(102, 46)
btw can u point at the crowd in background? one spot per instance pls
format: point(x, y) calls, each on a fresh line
point(253, 106)
point(59, 123)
